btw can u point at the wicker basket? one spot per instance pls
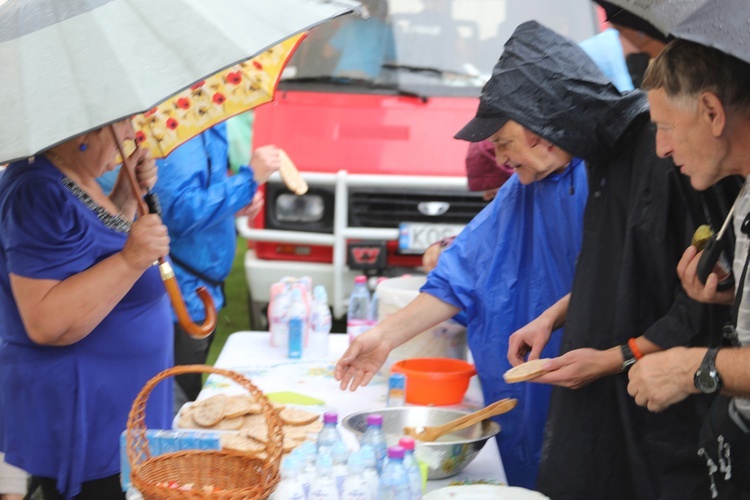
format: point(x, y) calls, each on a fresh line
point(236, 475)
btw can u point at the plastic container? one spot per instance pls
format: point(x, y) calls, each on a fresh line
point(396, 390)
point(372, 478)
point(416, 484)
point(358, 312)
point(375, 438)
point(297, 321)
point(290, 487)
point(339, 454)
point(355, 485)
point(444, 340)
point(320, 325)
point(278, 312)
point(323, 486)
point(375, 303)
point(435, 381)
point(394, 481)
point(329, 434)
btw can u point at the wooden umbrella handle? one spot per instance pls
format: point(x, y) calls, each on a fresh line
point(165, 268)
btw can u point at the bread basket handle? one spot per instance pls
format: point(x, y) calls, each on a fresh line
point(135, 435)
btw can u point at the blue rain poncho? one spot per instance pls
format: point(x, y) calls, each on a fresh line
point(513, 261)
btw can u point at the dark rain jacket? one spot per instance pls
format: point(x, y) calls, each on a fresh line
point(638, 221)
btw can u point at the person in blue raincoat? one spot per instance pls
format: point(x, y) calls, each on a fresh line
point(199, 201)
point(501, 273)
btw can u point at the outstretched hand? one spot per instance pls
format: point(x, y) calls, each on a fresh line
point(362, 360)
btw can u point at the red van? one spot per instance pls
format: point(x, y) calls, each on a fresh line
point(367, 110)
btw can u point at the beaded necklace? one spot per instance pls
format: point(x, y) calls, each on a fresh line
point(114, 222)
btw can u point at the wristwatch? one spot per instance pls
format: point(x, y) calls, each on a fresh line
point(707, 378)
point(628, 358)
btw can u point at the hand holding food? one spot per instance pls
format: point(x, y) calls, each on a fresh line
point(526, 371)
point(291, 176)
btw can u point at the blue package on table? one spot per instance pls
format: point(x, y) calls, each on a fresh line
point(167, 441)
point(153, 449)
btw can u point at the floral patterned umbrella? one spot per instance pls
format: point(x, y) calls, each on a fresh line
point(212, 100)
point(71, 66)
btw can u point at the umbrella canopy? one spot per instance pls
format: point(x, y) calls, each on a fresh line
point(721, 24)
point(70, 66)
point(212, 100)
point(620, 16)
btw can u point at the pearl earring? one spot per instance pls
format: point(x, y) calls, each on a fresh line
point(83, 147)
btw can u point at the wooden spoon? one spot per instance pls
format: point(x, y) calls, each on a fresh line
point(432, 433)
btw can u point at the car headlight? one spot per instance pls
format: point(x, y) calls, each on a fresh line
point(293, 208)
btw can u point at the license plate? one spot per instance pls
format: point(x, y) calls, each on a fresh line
point(415, 237)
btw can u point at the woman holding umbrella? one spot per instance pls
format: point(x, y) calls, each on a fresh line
point(84, 318)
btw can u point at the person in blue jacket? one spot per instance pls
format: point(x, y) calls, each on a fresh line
point(501, 273)
point(199, 201)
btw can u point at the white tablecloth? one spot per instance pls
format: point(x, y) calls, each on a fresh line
point(251, 354)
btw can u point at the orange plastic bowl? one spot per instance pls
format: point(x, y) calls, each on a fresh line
point(435, 381)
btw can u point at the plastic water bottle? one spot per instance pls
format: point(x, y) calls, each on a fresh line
point(355, 485)
point(320, 324)
point(323, 486)
point(329, 434)
point(375, 303)
point(375, 437)
point(307, 453)
point(290, 487)
point(371, 470)
point(394, 482)
point(339, 454)
point(278, 325)
point(412, 467)
point(358, 313)
point(297, 324)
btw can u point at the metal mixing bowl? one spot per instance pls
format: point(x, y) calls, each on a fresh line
point(444, 458)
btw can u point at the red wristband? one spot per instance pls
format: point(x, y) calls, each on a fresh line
point(634, 347)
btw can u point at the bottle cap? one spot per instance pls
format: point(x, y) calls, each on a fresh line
point(360, 279)
point(330, 417)
point(395, 452)
point(407, 443)
point(375, 419)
